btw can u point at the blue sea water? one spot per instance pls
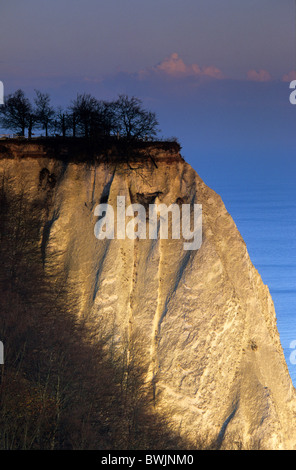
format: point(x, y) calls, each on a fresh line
point(266, 218)
point(240, 139)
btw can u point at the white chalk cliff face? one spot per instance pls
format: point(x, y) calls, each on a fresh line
point(206, 319)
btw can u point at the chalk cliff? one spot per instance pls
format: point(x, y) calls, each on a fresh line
point(206, 320)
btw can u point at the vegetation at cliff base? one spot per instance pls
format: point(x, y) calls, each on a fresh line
point(62, 385)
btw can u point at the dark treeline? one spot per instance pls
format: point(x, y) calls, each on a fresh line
point(63, 386)
point(86, 116)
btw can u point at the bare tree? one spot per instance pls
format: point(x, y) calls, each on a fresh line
point(44, 113)
point(86, 115)
point(16, 114)
point(62, 122)
point(133, 121)
point(107, 117)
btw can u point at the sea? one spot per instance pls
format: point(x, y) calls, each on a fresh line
point(265, 215)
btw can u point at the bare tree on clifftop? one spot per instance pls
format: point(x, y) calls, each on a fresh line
point(44, 113)
point(133, 121)
point(85, 112)
point(16, 114)
point(62, 122)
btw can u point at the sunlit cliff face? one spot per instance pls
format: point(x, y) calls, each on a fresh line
point(204, 318)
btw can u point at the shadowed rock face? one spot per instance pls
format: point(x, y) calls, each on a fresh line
point(206, 320)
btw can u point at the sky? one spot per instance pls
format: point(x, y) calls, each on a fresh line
point(95, 38)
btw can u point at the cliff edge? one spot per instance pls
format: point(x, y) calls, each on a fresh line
point(206, 320)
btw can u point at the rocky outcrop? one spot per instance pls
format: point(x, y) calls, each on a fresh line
point(206, 320)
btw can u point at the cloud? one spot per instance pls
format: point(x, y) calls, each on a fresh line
point(259, 76)
point(174, 66)
point(289, 77)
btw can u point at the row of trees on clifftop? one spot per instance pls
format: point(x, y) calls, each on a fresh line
point(86, 116)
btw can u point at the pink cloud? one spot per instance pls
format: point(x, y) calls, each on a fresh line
point(289, 77)
point(212, 71)
point(174, 66)
point(259, 76)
